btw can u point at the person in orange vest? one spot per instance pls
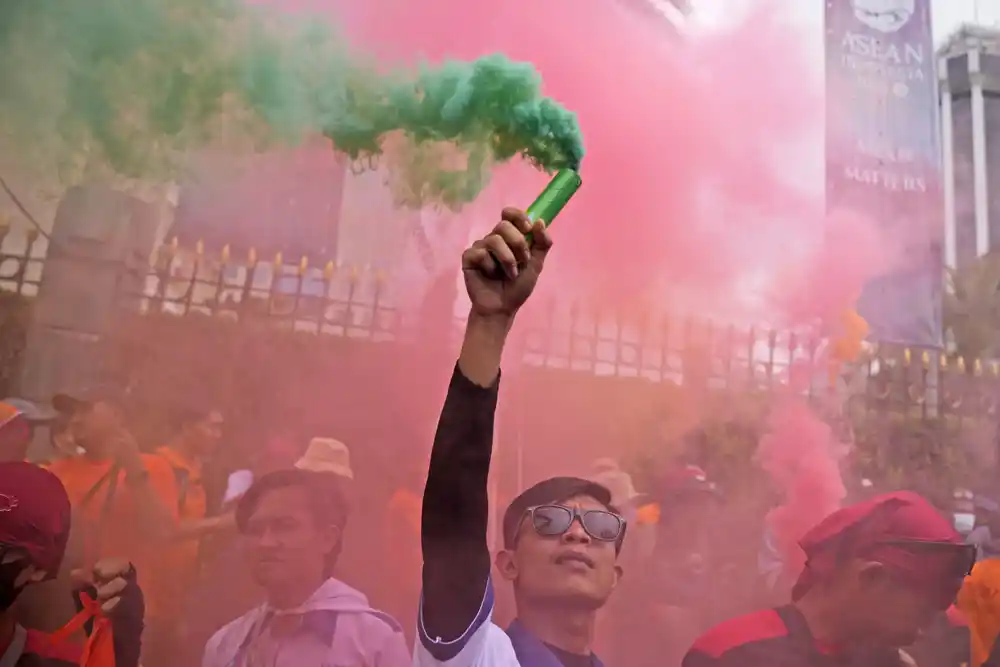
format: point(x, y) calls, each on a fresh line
point(176, 565)
point(979, 607)
point(124, 501)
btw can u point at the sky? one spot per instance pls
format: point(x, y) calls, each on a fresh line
point(948, 15)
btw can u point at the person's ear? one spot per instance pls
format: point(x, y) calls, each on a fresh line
point(870, 574)
point(619, 573)
point(506, 564)
point(331, 536)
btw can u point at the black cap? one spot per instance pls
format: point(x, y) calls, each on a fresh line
point(70, 402)
point(552, 490)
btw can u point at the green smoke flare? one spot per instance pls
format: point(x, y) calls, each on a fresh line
point(133, 86)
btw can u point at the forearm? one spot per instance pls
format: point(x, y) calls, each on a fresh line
point(482, 348)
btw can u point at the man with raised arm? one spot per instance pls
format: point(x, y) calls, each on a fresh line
point(561, 537)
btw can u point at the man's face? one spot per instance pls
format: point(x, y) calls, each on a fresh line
point(892, 611)
point(206, 433)
point(94, 424)
point(285, 544)
point(569, 569)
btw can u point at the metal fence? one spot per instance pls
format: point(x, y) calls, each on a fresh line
point(333, 300)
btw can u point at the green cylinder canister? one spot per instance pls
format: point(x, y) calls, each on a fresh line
point(555, 196)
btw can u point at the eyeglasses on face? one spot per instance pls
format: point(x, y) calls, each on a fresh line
point(554, 520)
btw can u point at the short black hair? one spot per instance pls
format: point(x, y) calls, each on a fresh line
point(324, 497)
point(552, 490)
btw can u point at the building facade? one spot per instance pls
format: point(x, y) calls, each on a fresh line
point(969, 76)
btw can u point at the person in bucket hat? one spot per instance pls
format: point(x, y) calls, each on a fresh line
point(327, 455)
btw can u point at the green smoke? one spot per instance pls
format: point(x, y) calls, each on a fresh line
point(133, 86)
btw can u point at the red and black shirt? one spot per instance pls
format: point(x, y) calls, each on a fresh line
point(776, 638)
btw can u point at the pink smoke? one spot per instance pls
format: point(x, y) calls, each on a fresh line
point(828, 280)
point(680, 178)
point(802, 456)
point(683, 183)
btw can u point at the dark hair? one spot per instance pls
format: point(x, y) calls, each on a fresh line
point(182, 417)
point(324, 498)
point(553, 490)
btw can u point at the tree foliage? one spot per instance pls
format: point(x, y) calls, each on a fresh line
point(971, 307)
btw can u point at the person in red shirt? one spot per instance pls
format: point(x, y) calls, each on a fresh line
point(34, 530)
point(876, 574)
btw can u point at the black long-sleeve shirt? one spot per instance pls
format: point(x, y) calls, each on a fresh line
point(454, 627)
point(455, 517)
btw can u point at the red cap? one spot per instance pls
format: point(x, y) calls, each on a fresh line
point(34, 514)
point(901, 530)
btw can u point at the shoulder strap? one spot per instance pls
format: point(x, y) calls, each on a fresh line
point(92, 491)
point(183, 478)
point(109, 479)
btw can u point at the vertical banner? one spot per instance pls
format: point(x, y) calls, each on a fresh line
point(883, 155)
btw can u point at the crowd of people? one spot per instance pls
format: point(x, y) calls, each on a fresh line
point(288, 562)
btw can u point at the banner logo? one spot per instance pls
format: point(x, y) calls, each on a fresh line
point(884, 15)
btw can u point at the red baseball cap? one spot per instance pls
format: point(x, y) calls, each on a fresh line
point(34, 514)
point(901, 530)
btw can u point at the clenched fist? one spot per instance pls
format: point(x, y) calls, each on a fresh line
point(502, 268)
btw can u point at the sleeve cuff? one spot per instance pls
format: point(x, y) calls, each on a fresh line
point(463, 386)
point(443, 649)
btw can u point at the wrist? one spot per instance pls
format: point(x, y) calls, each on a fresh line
point(498, 324)
point(482, 347)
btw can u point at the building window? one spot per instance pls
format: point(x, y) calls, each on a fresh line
point(965, 201)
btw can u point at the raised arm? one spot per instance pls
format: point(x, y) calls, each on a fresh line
point(500, 273)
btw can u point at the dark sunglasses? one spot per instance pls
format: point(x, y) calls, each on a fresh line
point(554, 520)
point(964, 555)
